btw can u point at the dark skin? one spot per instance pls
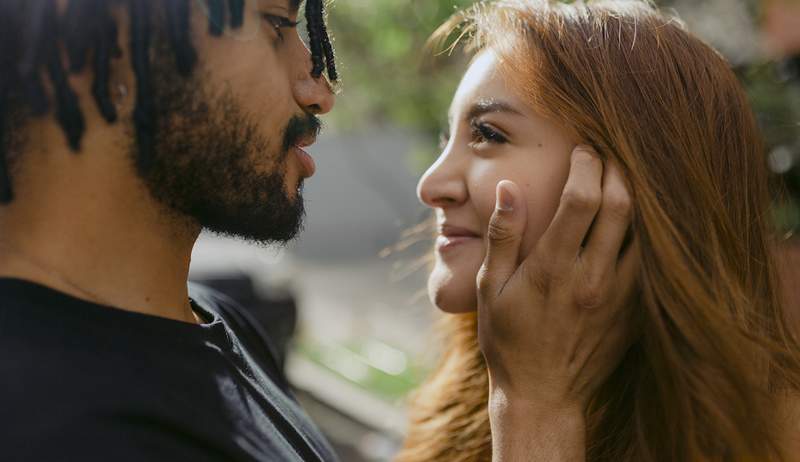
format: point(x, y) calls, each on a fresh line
point(554, 326)
point(87, 226)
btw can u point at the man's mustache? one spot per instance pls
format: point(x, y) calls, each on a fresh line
point(301, 128)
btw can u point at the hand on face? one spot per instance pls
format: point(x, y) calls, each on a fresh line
point(550, 312)
point(493, 135)
point(554, 326)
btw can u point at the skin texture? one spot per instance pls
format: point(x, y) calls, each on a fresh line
point(460, 185)
point(77, 218)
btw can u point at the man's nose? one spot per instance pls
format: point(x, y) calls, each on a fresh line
point(315, 95)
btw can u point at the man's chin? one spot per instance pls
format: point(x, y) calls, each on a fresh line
point(267, 235)
point(294, 191)
point(277, 222)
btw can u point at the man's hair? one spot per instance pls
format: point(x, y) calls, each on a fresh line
point(32, 35)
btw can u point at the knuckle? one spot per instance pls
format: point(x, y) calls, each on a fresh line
point(484, 283)
point(581, 199)
point(543, 278)
point(498, 232)
point(591, 295)
point(618, 204)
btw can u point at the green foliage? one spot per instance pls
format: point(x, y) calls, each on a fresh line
point(382, 370)
point(776, 103)
point(388, 75)
point(390, 79)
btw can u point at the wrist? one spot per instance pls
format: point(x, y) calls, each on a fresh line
point(524, 429)
point(536, 414)
point(513, 407)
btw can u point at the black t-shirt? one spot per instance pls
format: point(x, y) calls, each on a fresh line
point(85, 382)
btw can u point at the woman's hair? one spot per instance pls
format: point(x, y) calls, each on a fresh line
point(714, 355)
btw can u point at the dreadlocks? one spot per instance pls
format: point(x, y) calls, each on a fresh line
point(319, 40)
point(32, 33)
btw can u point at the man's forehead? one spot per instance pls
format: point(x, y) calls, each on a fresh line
point(292, 5)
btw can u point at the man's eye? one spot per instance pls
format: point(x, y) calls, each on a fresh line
point(482, 133)
point(278, 23)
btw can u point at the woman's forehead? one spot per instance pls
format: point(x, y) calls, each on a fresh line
point(483, 86)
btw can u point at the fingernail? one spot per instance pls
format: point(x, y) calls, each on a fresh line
point(505, 200)
point(584, 150)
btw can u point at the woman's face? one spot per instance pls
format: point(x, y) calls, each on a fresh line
point(493, 136)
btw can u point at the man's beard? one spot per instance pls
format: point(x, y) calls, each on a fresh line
point(211, 163)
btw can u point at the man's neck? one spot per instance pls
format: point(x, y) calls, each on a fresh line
point(98, 238)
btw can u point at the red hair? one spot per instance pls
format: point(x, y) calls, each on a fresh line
point(704, 379)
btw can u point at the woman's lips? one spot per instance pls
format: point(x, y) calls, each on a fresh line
point(454, 236)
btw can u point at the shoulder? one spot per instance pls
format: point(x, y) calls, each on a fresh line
point(243, 327)
point(95, 438)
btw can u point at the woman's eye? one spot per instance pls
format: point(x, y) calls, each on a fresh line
point(482, 133)
point(278, 23)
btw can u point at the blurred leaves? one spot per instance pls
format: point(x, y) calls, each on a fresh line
point(388, 75)
point(390, 79)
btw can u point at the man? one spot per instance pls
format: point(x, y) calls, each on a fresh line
point(105, 194)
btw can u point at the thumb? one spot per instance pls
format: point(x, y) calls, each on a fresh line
point(504, 237)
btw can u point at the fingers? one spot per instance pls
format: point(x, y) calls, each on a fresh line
point(580, 202)
point(611, 224)
point(504, 236)
point(627, 271)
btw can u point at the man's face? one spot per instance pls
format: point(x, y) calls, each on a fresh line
point(227, 152)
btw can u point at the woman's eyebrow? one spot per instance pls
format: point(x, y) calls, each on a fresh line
point(482, 107)
point(485, 106)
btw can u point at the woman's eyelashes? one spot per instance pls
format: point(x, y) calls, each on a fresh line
point(482, 132)
point(278, 23)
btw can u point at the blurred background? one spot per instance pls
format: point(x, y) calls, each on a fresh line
point(348, 297)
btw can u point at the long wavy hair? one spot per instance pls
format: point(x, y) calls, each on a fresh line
point(714, 356)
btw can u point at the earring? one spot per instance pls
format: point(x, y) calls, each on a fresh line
point(120, 93)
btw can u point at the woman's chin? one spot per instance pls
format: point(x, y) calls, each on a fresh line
point(456, 308)
point(450, 296)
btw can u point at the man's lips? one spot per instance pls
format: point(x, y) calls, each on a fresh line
point(306, 161)
point(307, 141)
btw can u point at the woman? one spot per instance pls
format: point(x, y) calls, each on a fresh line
point(707, 369)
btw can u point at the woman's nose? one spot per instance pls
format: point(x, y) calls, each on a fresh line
point(443, 185)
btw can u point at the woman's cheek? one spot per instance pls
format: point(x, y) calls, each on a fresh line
point(542, 200)
point(482, 193)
